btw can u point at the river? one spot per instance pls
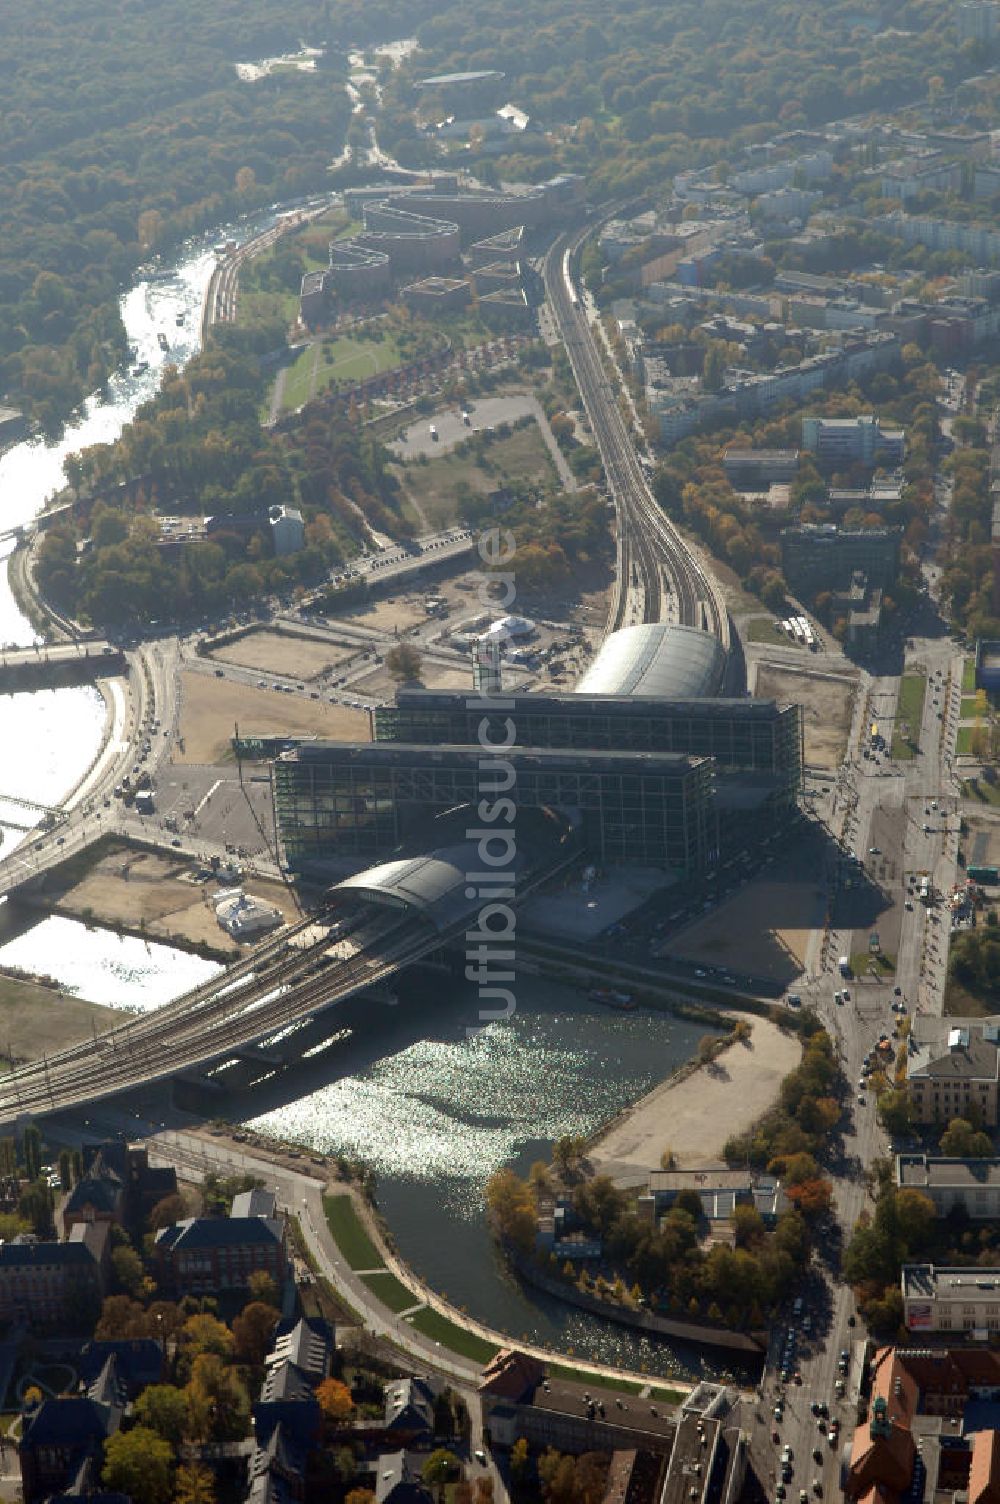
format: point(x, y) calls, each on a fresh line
point(431, 1107)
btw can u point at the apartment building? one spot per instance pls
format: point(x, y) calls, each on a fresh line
point(953, 1069)
point(971, 1185)
point(939, 1298)
point(860, 440)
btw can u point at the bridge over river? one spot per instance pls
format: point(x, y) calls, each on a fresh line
point(369, 927)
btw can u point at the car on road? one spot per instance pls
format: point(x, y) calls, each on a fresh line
point(861, 1098)
point(786, 1453)
point(480, 1456)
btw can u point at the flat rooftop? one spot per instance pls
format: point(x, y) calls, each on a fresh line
point(642, 1416)
point(405, 754)
point(577, 703)
point(446, 80)
point(918, 1171)
point(933, 1280)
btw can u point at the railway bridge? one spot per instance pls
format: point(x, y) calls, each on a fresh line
point(369, 927)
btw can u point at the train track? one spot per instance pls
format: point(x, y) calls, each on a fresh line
point(658, 578)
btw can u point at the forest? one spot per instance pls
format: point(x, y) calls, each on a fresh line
point(121, 134)
point(632, 98)
point(197, 450)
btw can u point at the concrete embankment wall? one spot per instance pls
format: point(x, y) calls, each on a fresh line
point(753, 1345)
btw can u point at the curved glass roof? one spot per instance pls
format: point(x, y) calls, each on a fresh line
point(657, 658)
point(433, 886)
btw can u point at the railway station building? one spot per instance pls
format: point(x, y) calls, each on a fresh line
point(363, 801)
point(641, 754)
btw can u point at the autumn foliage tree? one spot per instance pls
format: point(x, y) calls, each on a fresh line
point(253, 1332)
point(335, 1401)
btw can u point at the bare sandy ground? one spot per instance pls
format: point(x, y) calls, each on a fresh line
point(695, 1117)
point(140, 889)
point(283, 653)
point(211, 707)
point(400, 611)
point(763, 931)
point(827, 706)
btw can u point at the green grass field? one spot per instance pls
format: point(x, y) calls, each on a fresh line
point(349, 1235)
point(968, 676)
point(982, 792)
point(440, 1329)
point(862, 960)
point(910, 709)
point(963, 741)
point(970, 708)
point(765, 629)
point(429, 490)
point(391, 1291)
point(336, 360)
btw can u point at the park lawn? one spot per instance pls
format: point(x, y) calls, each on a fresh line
point(981, 791)
point(910, 709)
point(349, 1235)
point(765, 629)
point(431, 488)
point(391, 1291)
point(968, 675)
point(970, 709)
point(861, 960)
point(456, 1338)
point(344, 359)
point(963, 741)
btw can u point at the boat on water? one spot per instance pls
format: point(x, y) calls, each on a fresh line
point(161, 340)
point(611, 998)
point(179, 320)
point(140, 368)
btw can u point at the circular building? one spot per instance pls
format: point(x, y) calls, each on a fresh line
point(657, 658)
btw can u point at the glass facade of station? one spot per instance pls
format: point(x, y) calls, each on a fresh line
point(363, 802)
point(743, 736)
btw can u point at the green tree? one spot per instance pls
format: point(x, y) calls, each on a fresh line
point(130, 1276)
point(218, 1403)
point(31, 1144)
point(163, 1408)
point(403, 662)
point(139, 1463)
point(8, 1158)
point(961, 1141)
point(35, 1206)
point(440, 1468)
point(895, 1113)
